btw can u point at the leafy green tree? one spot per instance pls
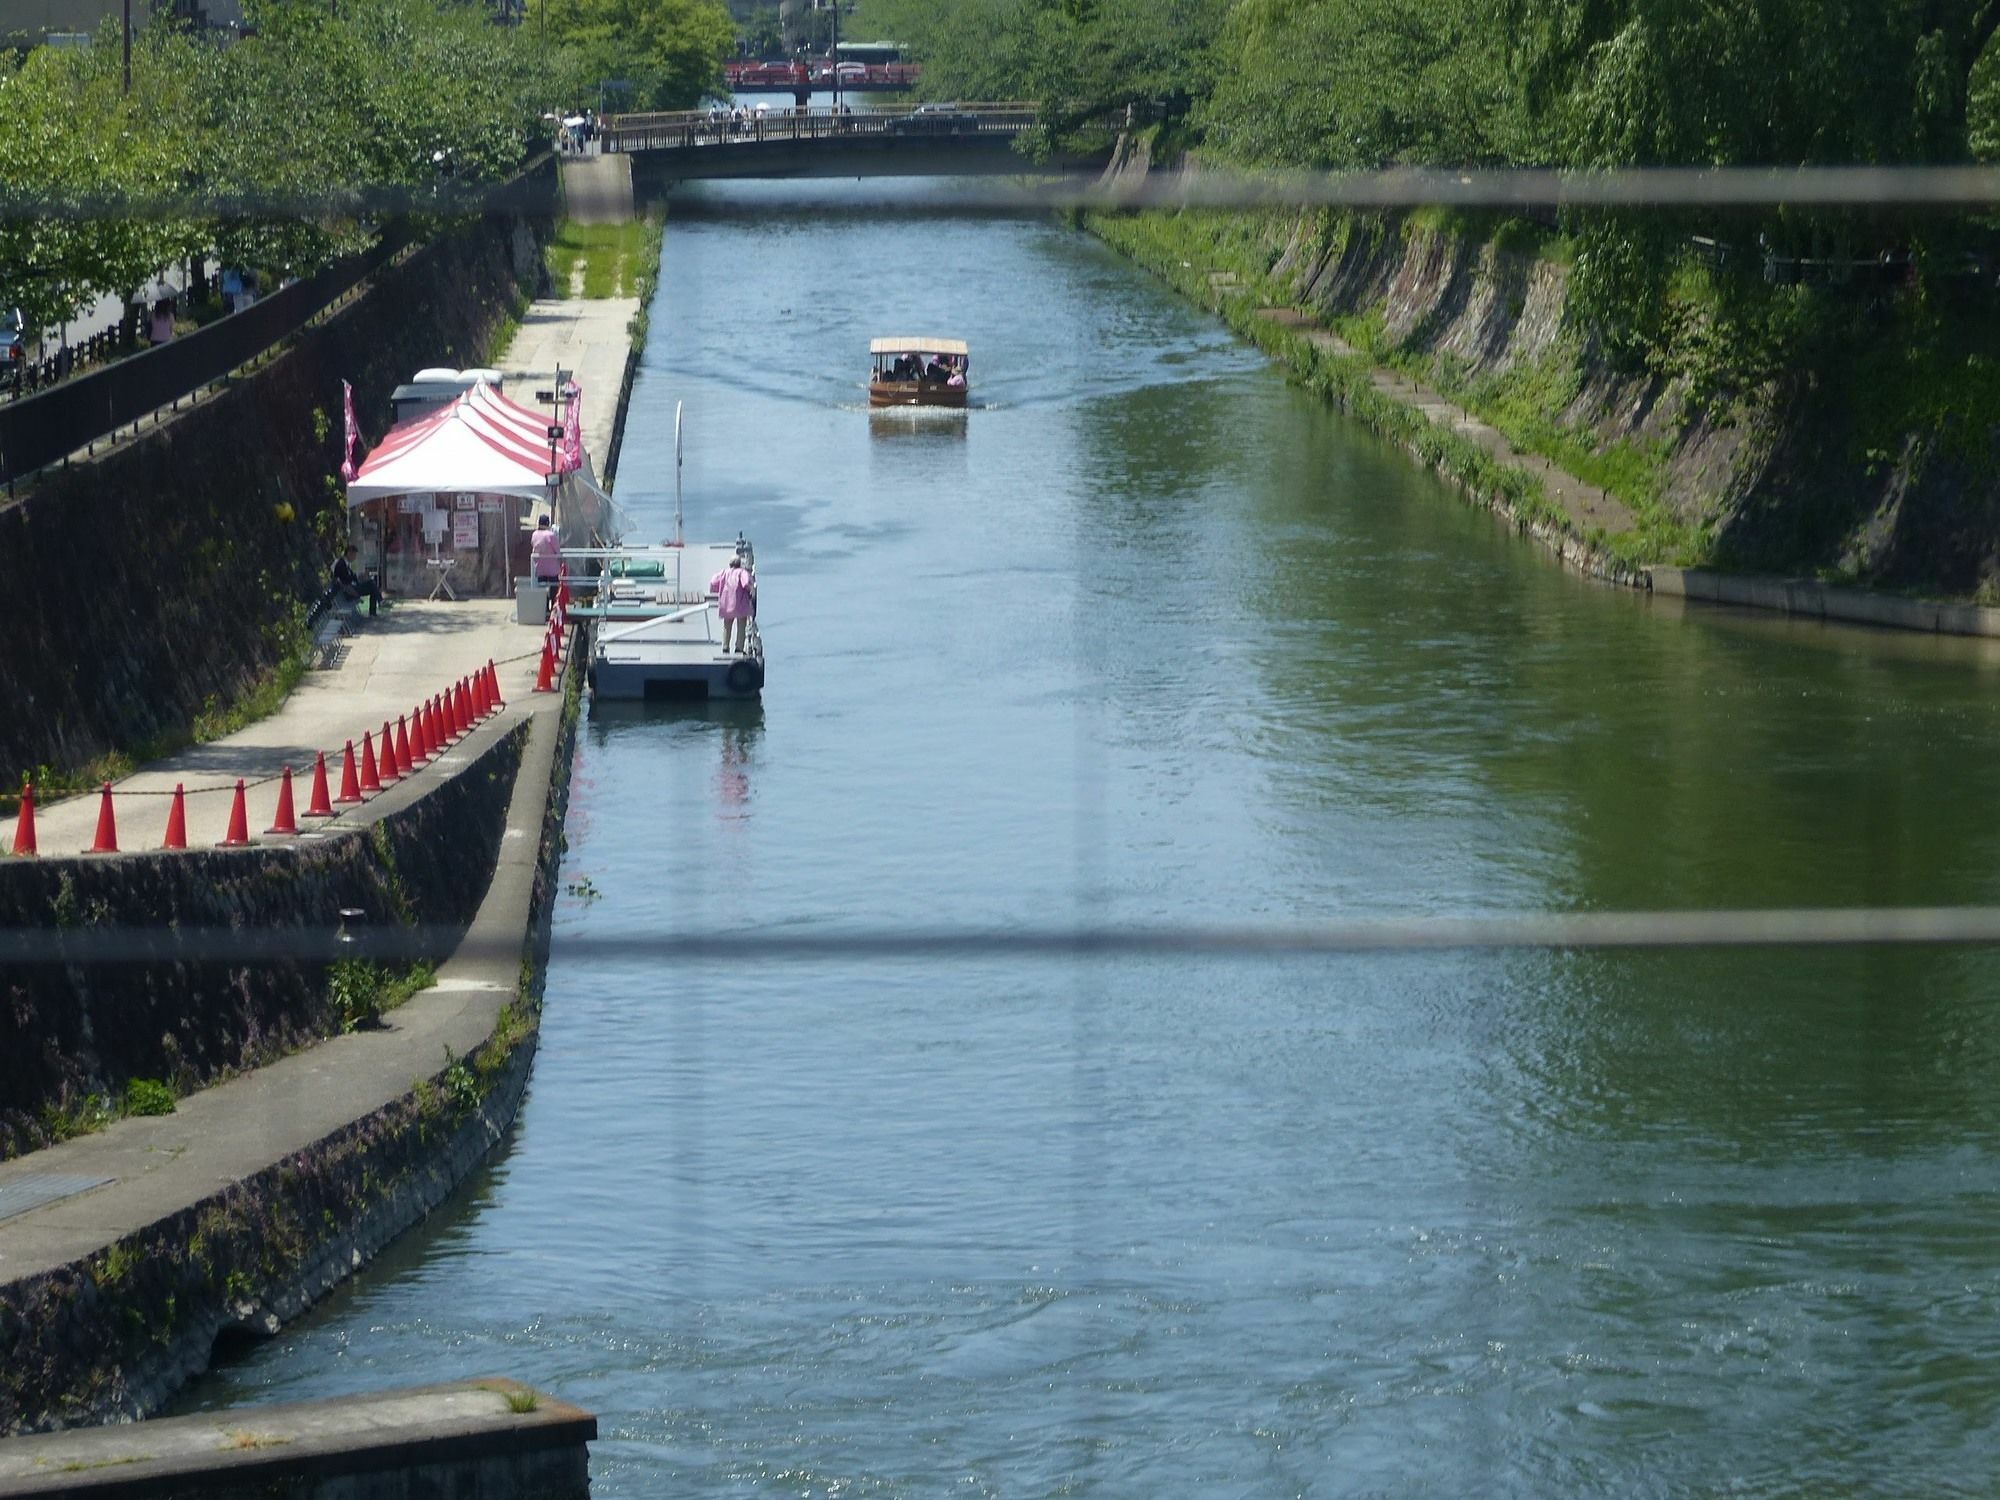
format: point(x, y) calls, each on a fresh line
point(670, 50)
point(764, 34)
point(1084, 61)
point(86, 168)
point(1362, 83)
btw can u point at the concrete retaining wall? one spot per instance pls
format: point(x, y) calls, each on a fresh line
point(112, 1336)
point(489, 1439)
point(159, 578)
point(1822, 601)
point(76, 1030)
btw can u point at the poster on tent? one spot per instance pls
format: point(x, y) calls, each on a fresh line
point(465, 529)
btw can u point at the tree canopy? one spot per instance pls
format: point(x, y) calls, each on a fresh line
point(255, 150)
point(1585, 84)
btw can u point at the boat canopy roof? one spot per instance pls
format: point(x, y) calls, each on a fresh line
point(907, 344)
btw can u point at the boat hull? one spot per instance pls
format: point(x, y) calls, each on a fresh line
point(635, 678)
point(916, 393)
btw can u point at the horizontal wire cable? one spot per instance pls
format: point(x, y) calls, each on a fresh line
point(1962, 187)
point(1938, 926)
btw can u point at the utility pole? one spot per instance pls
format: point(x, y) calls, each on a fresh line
point(128, 46)
point(836, 54)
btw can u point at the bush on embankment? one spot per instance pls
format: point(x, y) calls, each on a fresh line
point(165, 579)
point(1854, 439)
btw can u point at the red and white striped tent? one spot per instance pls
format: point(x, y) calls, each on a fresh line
point(482, 443)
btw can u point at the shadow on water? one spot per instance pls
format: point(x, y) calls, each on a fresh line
point(916, 424)
point(735, 725)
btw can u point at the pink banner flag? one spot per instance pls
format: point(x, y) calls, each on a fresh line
point(572, 438)
point(348, 467)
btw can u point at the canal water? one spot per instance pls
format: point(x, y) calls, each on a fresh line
point(1151, 637)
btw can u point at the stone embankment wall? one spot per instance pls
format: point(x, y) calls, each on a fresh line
point(114, 1336)
point(159, 577)
point(71, 1031)
point(1776, 478)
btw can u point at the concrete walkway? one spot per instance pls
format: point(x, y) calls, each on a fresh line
point(159, 1165)
point(591, 339)
point(1589, 508)
point(392, 663)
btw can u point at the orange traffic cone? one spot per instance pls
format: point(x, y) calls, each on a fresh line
point(448, 716)
point(419, 747)
point(106, 841)
point(24, 826)
point(405, 763)
point(427, 722)
point(493, 684)
point(370, 781)
point(461, 708)
point(545, 675)
point(319, 805)
point(239, 822)
point(286, 821)
point(387, 771)
point(177, 821)
point(350, 777)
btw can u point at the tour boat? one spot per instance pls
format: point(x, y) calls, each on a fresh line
point(917, 372)
point(656, 628)
point(656, 633)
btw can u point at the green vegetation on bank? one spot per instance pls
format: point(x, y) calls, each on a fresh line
point(1861, 335)
point(604, 260)
point(1191, 247)
point(1173, 246)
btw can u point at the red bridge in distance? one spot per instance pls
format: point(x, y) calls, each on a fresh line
point(819, 74)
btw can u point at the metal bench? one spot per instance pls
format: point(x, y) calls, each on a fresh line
point(331, 619)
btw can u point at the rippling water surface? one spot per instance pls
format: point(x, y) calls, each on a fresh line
point(1151, 636)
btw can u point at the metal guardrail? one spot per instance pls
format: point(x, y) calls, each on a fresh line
point(43, 429)
point(25, 378)
point(689, 129)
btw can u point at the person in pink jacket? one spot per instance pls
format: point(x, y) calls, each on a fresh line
point(735, 590)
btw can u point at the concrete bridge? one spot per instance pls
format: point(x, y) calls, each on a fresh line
point(920, 141)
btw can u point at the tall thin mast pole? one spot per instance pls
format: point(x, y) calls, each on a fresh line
point(677, 473)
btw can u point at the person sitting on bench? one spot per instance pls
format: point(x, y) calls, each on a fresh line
point(352, 584)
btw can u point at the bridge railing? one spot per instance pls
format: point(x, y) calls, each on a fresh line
point(689, 128)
